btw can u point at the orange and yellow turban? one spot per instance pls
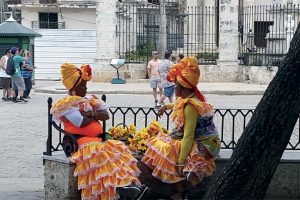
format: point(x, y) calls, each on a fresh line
point(187, 74)
point(71, 75)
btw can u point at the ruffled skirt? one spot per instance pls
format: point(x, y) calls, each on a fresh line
point(162, 155)
point(101, 167)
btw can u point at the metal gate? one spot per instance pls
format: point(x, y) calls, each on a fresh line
point(192, 31)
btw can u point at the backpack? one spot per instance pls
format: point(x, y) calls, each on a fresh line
point(10, 68)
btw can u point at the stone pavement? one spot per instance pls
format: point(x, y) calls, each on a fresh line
point(21, 188)
point(143, 87)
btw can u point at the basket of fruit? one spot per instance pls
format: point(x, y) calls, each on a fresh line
point(121, 131)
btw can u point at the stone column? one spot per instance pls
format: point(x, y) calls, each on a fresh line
point(106, 49)
point(228, 29)
point(228, 40)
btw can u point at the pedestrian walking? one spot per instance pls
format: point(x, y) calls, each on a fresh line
point(26, 71)
point(153, 74)
point(5, 79)
point(163, 70)
point(17, 79)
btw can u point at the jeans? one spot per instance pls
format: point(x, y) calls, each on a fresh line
point(28, 86)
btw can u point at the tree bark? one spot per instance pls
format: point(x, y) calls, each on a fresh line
point(250, 169)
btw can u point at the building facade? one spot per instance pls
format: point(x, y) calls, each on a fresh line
point(223, 33)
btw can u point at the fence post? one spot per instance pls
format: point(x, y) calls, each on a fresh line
point(103, 97)
point(49, 140)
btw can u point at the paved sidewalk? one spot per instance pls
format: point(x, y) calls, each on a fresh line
point(56, 87)
point(21, 188)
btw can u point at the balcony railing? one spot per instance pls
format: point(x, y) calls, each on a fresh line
point(36, 2)
point(77, 2)
point(157, 2)
point(59, 2)
point(47, 25)
point(91, 2)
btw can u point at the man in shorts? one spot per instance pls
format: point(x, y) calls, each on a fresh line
point(5, 79)
point(17, 79)
point(154, 76)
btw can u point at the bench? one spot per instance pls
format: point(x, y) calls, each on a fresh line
point(60, 183)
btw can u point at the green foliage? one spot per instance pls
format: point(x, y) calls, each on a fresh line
point(208, 56)
point(133, 56)
point(145, 47)
point(142, 53)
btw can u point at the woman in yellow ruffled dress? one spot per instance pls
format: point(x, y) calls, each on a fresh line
point(188, 153)
point(102, 167)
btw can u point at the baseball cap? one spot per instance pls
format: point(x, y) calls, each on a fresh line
point(13, 50)
point(154, 53)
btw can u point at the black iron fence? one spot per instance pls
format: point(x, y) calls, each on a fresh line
point(192, 32)
point(265, 33)
point(229, 122)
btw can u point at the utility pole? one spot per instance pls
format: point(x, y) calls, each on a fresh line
point(201, 11)
point(162, 29)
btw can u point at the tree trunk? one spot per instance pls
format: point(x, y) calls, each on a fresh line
point(162, 30)
point(250, 169)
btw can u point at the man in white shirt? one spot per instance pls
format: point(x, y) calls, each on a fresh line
point(5, 79)
point(155, 82)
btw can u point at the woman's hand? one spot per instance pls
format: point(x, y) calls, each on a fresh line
point(88, 114)
point(88, 117)
point(180, 169)
point(101, 115)
point(161, 110)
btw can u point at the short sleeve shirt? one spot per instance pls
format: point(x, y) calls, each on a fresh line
point(24, 71)
point(163, 70)
point(153, 66)
point(17, 60)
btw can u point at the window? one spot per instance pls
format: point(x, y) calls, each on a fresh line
point(261, 28)
point(47, 1)
point(48, 20)
point(153, 1)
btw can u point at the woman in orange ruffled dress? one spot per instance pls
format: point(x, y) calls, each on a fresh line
point(188, 153)
point(102, 167)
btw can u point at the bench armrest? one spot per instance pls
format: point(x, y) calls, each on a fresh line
point(69, 142)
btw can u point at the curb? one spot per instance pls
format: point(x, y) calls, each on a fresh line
point(217, 92)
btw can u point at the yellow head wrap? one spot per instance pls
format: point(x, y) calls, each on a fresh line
point(71, 75)
point(187, 74)
point(186, 69)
